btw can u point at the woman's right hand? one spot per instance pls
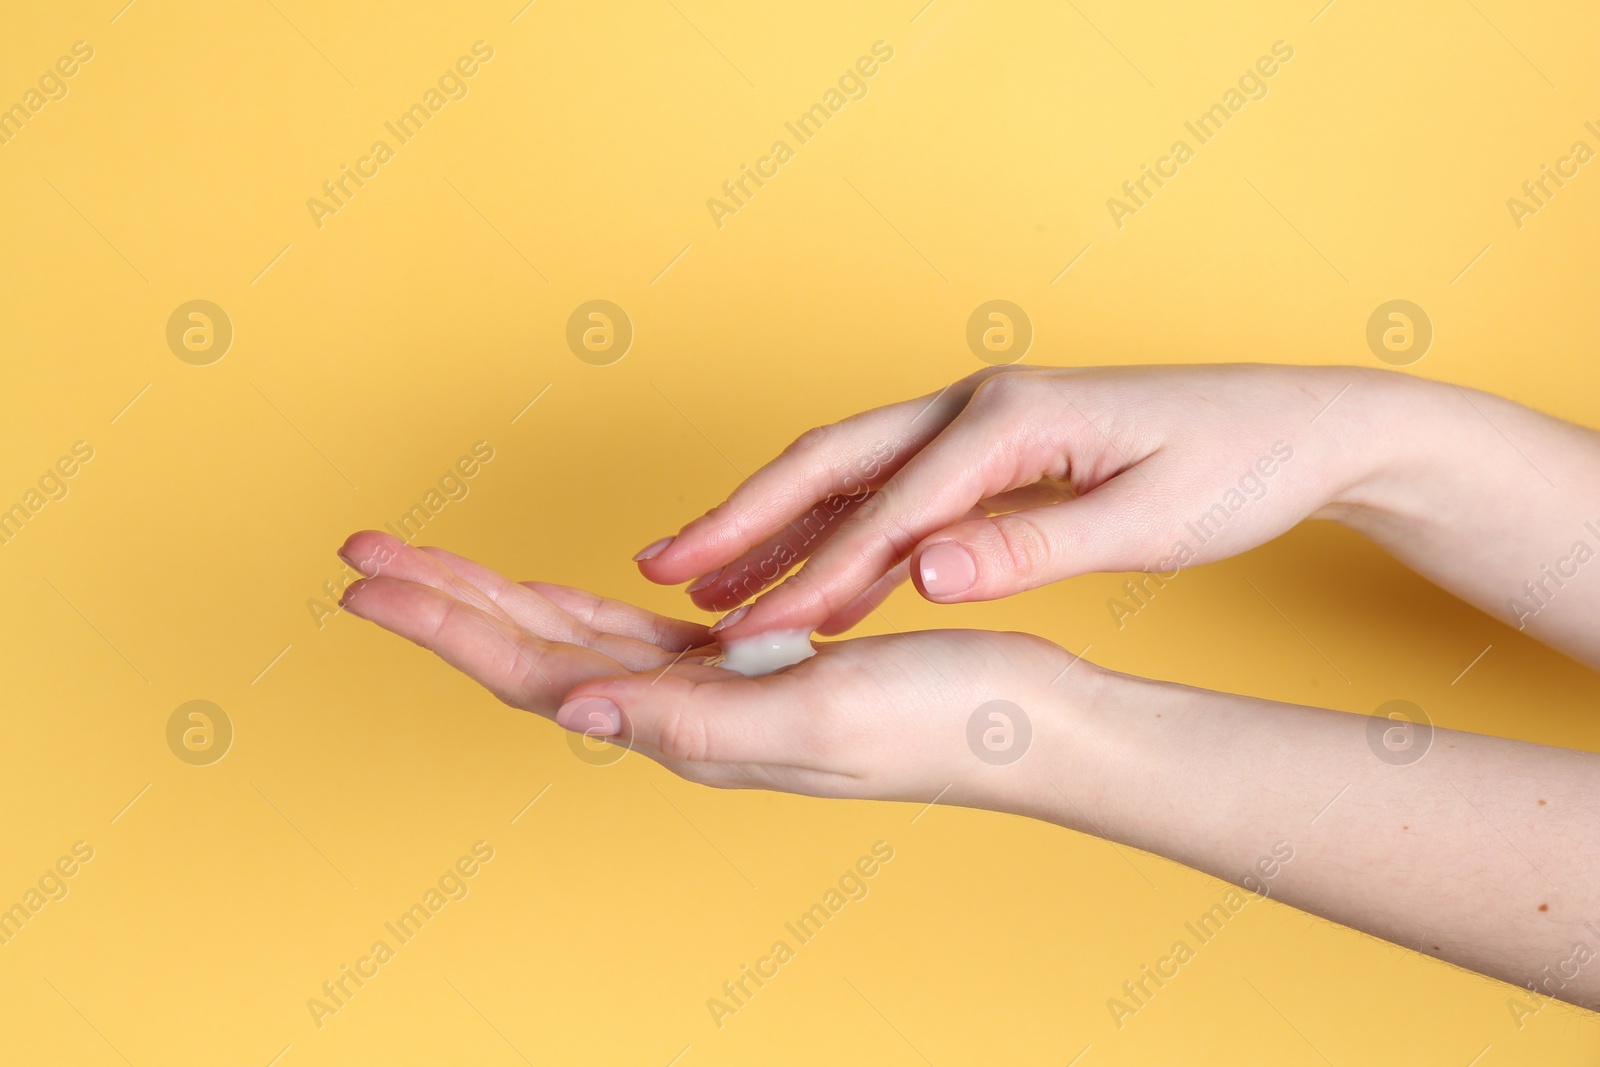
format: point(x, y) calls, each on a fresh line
point(1011, 479)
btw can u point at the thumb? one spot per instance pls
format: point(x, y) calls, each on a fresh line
point(716, 718)
point(1112, 528)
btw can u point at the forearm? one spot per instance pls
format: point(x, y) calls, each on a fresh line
point(1481, 851)
point(1493, 501)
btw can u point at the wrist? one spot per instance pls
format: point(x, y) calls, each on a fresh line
point(1392, 436)
point(1104, 729)
point(1086, 747)
point(1017, 744)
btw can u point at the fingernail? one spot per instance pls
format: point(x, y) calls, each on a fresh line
point(652, 550)
point(347, 600)
point(948, 569)
point(364, 567)
point(593, 716)
point(731, 617)
point(703, 581)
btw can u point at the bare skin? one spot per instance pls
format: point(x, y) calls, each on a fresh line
point(1471, 490)
point(1483, 851)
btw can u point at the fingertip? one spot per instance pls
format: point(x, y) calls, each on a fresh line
point(351, 592)
point(656, 561)
point(786, 606)
point(351, 549)
point(704, 582)
point(592, 716)
point(694, 554)
point(730, 620)
point(945, 570)
point(654, 549)
point(658, 570)
point(366, 551)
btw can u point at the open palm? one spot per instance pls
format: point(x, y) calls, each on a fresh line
point(882, 717)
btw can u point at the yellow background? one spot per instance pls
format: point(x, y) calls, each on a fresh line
point(376, 349)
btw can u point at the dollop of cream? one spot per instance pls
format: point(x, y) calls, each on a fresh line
point(766, 652)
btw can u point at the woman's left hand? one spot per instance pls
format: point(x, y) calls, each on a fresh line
point(902, 717)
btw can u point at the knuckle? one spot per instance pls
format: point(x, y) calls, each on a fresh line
point(682, 736)
point(813, 439)
point(528, 670)
point(1025, 549)
point(733, 519)
point(449, 616)
point(883, 514)
point(1005, 388)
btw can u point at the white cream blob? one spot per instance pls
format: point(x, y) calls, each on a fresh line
point(766, 652)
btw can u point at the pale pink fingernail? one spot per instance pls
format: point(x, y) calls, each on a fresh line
point(947, 569)
point(366, 566)
point(652, 550)
point(731, 617)
point(592, 716)
point(353, 563)
point(703, 581)
point(347, 600)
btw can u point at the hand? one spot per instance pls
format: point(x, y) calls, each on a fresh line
point(878, 717)
point(1012, 479)
point(1165, 768)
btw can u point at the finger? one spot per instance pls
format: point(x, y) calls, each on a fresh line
point(693, 720)
point(520, 668)
point(381, 554)
point(523, 606)
point(737, 582)
point(615, 616)
point(529, 610)
point(760, 569)
point(863, 606)
point(847, 458)
point(766, 565)
point(1115, 527)
point(373, 553)
point(1007, 438)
